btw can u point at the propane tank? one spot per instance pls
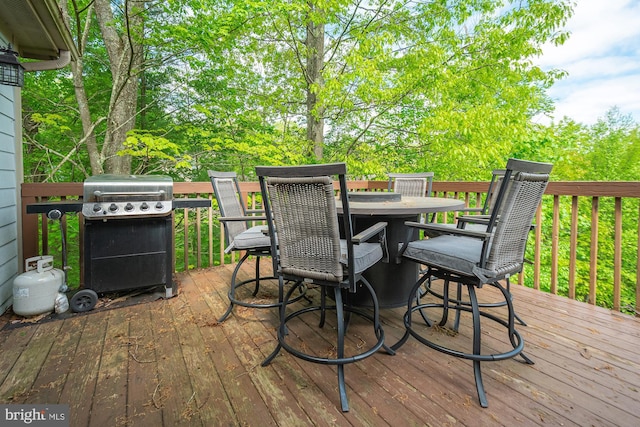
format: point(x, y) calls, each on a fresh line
point(35, 290)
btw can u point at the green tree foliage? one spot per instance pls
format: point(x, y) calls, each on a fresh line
point(424, 85)
point(605, 151)
point(398, 86)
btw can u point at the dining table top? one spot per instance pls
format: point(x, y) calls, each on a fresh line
point(404, 206)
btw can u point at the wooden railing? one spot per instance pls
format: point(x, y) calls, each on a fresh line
point(556, 250)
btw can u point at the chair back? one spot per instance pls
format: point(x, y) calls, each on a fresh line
point(518, 198)
point(230, 202)
point(492, 193)
point(300, 206)
point(411, 184)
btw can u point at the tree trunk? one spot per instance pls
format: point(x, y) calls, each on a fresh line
point(125, 60)
point(84, 109)
point(315, 62)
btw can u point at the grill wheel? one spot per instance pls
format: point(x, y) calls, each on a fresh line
point(83, 300)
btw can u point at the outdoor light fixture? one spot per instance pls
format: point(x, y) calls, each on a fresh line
point(11, 72)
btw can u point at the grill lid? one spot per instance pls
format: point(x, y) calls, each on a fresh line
point(127, 195)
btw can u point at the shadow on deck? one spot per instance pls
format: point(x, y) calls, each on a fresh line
point(168, 362)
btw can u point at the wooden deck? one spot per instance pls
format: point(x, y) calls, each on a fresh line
point(169, 363)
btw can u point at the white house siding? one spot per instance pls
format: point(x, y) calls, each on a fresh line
point(8, 196)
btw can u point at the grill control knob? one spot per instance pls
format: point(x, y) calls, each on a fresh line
point(128, 207)
point(144, 206)
point(113, 207)
point(159, 205)
point(97, 207)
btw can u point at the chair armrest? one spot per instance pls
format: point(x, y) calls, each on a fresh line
point(469, 210)
point(365, 235)
point(475, 219)
point(241, 218)
point(482, 219)
point(443, 229)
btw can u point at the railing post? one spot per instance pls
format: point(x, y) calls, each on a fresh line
point(30, 241)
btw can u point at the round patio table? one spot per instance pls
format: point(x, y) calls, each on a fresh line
point(393, 279)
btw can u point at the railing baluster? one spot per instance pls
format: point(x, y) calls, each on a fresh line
point(198, 237)
point(573, 247)
point(186, 239)
point(617, 254)
point(536, 262)
point(210, 230)
point(637, 308)
point(593, 259)
point(554, 244)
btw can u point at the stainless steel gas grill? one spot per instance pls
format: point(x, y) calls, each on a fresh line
point(124, 196)
point(128, 234)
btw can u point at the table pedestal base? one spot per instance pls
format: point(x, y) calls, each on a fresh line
point(392, 281)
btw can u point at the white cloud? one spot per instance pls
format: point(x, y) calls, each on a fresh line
point(602, 57)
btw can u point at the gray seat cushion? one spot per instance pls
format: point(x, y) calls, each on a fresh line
point(457, 253)
point(365, 255)
point(252, 238)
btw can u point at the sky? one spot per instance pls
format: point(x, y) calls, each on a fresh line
point(602, 57)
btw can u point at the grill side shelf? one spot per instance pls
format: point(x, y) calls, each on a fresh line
point(191, 203)
point(63, 206)
point(76, 205)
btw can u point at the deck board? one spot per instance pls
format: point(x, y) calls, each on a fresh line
point(142, 407)
point(84, 365)
point(169, 363)
point(54, 370)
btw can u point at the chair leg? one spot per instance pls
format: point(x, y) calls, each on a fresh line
point(456, 323)
point(407, 314)
point(474, 307)
point(477, 345)
point(445, 303)
point(282, 328)
point(235, 285)
point(257, 287)
point(522, 322)
point(422, 293)
point(377, 327)
point(342, 310)
point(512, 316)
point(232, 289)
point(323, 306)
point(340, 348)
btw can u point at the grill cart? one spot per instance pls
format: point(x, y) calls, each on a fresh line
point(128, 233)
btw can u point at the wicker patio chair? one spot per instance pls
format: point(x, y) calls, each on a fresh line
point(411, 184)
point(477, 258)
point(479, 222)
point(241, 236)
point(471, 215)
point(300, 205)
